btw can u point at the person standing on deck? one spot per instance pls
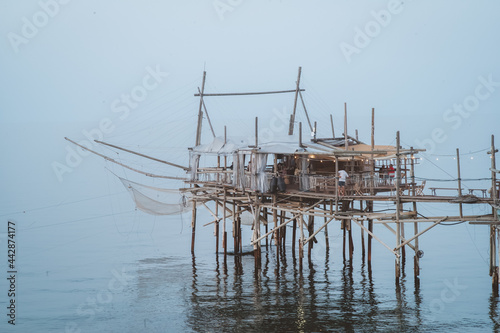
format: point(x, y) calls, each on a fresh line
point(342, 179)
point(381, 174)
point(392, 173)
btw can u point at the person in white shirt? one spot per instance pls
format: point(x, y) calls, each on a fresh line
point(342, 179)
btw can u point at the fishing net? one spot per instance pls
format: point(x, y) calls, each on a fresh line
point(158, 201)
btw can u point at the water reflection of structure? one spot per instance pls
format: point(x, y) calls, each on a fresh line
point(290, 299)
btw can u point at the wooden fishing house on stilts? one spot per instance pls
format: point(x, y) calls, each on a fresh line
point(291, 181)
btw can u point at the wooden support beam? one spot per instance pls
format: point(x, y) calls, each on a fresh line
point(200, 113)
point(206, 113)
point(292, 118)
point(142, 155)
point(313, 235)
point(305, 110)
point(394, 232)
point(123, 165)
point(417, 235)
point(249, 93)
point(376, 238)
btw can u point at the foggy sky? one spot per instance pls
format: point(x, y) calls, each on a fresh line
point(429, 68)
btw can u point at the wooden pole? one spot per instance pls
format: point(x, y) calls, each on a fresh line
point(300, 134)
point(493, 228)
point(327, 239)
point(372, 171)
point(362, 232)
point(282, 231)
point(416, 259)
point(459, 183)
point(193, 227)
point(208, 117)
point(398, 208)
point(256, 232)
point(351, 243)
point(301, 240)
point(292, 118)
point(333, 129)
point(345, 127)
point(142, 155)
point(200, 112)
point(256, 132)
point(370, 229)
point(224, 232)
point(305, 110)
point(343, 225)
point(216, 231)
point(310, 230)
point(264, 212)
point(250, 93)
point(123, 165)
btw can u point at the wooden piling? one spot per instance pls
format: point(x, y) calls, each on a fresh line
point(327, 239)
point(459, 183)
point(398, 210)
point(310, 230)
point(193, 226)
point(494, 270)
point(216, 231)
point(362, 233)
point(351, 243)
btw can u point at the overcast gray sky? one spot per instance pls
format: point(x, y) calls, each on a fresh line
point(127, 70)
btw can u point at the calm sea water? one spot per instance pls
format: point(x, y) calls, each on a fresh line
point(128, 272)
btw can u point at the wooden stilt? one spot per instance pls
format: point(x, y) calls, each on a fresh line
point(351, 243)
point(264, 212)
point(494, 270)
point(343, 226)
point(301, 240)
point(459, 183)
point(416, 259)
point(362, 234)
point(283, 231)
point(256, 233)
point(224, 232)
point(398, 210)
point(193, 227)
point(327, 239)
point(216, 228)
point(310, 230)
point(370, 228)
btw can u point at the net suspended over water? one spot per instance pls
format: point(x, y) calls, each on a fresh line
point(158, 201)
